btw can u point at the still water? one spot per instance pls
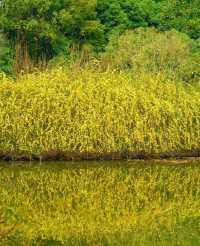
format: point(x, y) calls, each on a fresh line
point(100, 203)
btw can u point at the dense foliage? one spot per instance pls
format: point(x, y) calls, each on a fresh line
point(87, 111)
point(6, 58)
point(41, 30)
point(145, 50)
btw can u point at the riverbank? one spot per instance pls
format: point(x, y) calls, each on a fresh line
point(62, 156)
point(86, 114)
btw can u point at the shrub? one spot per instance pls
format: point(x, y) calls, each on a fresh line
point(147, 50)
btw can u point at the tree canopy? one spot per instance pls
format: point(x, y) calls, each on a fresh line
point(42, 29)
point(39, 30)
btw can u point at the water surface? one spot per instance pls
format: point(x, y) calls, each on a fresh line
point(101, 203)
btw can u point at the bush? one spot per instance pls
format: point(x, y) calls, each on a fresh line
point(148, 50)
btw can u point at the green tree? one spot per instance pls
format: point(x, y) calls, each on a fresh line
point(40, 29)
point(124, 14)
point(182, 15)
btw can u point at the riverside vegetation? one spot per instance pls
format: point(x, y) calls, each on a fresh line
point(36, 31)
point(139, 96)
point(90, 111)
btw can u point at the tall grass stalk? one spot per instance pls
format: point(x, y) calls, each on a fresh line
point(88, 111)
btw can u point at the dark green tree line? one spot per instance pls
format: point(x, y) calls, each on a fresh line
point(39, 30)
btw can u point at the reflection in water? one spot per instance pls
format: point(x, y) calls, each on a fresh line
point(102, 203)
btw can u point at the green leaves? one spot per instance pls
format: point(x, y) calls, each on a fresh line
point(180, 15)
point(38, 25)
point(44, 29)
point(5, 55)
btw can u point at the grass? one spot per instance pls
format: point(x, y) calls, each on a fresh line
point(88, 111)
point(127, 205)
